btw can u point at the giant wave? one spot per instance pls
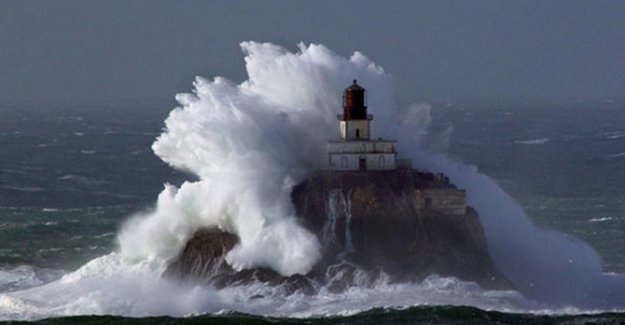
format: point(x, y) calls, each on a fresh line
point(249, 144)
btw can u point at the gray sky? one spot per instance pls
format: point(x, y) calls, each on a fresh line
point(107, 50)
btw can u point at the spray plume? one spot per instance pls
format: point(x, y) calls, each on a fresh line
point(249, 144)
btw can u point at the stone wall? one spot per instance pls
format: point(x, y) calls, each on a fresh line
point(375, 155)
point(444, 200)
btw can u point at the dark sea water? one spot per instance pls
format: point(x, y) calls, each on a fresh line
point(565, 163)
point(71, 174)
point(414, 315)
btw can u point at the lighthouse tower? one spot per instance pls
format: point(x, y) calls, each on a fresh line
point(355, 150)
point(355, 121)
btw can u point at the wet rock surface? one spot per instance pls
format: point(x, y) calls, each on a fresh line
point(372, 226)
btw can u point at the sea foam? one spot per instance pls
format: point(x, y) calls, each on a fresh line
point(249, 144)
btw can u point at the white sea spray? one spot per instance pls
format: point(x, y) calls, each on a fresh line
point(249, 144)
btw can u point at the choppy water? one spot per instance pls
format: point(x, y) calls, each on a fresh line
point(562, 162)
point(70, 175)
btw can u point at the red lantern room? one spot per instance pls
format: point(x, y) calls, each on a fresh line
point(354, 106)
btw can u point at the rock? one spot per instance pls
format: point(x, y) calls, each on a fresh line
point(379, 218)
point(202, 260)
point(203, 256)
point(403, 224)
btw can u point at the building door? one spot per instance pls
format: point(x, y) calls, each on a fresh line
point(362, 164)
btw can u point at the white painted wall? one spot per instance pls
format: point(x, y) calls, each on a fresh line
point(347, 153)
point(350, 128)
point(376, 146)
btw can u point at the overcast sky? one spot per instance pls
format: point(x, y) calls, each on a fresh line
point(106, 50)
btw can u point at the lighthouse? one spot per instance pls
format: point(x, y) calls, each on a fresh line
point(355, 150)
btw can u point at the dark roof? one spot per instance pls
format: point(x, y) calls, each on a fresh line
point(354, 86)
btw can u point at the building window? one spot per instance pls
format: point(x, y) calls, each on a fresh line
point(343, 162)
point(357, 134)
point(381, 162)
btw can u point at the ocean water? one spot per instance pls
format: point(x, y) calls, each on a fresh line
point(92, 214)
point(563, 162)
point(70, 175)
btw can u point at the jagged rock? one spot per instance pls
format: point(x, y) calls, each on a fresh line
point(379, 218)
point(369, 223)
point(203, 256)
point(202, 260)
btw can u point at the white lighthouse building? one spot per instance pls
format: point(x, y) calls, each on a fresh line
point(355, 150)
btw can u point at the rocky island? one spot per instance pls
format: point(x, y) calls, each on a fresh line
point(375, 216)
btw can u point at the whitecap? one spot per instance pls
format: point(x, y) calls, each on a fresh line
point(24, 188)
point(614, 135)
point(601, 219)
point(83, 180)
point(25, 276)
point(533, 141)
